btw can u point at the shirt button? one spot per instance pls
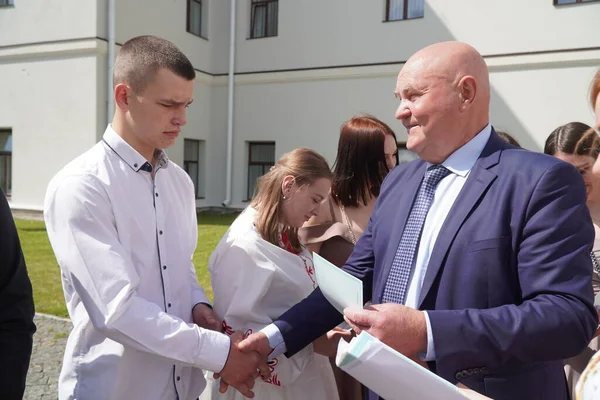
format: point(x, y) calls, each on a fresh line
point(178, 378)
point(160, 232)
point(164, 267)
point(156, 194)
point(169, 305)
point(134, 165)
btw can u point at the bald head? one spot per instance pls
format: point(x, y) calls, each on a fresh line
point(453, 61)
point(445, 97)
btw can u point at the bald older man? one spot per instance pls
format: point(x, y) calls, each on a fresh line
point(476, 257)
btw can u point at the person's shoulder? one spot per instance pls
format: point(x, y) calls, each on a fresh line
point(515, 154)
point(84, 169)
point(179, 175)
point(400, 173)
point(531, 164)
point(242, 231)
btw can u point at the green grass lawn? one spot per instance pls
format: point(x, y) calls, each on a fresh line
point(45, 274)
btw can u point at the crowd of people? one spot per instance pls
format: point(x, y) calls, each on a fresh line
point(479, 260)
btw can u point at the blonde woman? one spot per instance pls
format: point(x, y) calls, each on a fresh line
point(260, 269)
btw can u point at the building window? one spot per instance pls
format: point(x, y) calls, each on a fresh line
point(261, 157)
point(560, 2)
point(263, 18)
point(397, 10)
point(193, 163)
point(6, 3)
point(6, 161)
point(197, 17)
point(405, 155)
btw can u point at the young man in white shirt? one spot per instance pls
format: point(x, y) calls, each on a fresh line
point(122, 222)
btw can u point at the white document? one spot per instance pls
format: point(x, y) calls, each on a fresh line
point(340, 288)
point(390, 374)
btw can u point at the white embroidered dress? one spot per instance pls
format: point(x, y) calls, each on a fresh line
point(254, 282)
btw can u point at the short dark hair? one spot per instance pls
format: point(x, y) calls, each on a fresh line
point(360, 164)
point(573, 138)
point(508, 138)
point(140, 58)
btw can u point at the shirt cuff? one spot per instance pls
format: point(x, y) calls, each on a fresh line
point(275, 339)
point(198, 296)
point(430, 355)
point(214, 350)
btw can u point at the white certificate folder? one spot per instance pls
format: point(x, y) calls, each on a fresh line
point(340, 288)
point(390, 374)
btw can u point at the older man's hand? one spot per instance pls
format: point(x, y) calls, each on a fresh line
point(242, 368)
point(402, 328)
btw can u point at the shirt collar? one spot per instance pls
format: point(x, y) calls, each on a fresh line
point(128, 154)
point(462, 160)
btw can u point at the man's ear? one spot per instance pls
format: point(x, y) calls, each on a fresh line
point(467, 91)
point(122, 94)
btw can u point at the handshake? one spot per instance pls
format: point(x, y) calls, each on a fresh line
point(248, 358)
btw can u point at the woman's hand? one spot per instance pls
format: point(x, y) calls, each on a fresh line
point(327, 344)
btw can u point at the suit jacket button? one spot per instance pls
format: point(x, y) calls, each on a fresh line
point(458, 376)
point(469, 372)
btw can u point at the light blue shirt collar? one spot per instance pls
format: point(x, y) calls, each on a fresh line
point(462, 160)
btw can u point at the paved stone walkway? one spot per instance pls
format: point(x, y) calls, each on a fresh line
point(48, 348)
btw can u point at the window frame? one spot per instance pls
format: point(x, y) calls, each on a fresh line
point(6, 156)
point(405, 12)
point(555, 2)
point(266, 166)
point(186, 164)
point(188, 17)
point(262, 3)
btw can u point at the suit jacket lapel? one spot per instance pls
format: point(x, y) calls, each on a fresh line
point(480, 178)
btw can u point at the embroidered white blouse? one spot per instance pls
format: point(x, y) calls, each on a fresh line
point(254, 282)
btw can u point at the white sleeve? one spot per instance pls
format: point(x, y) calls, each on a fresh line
point(83, 234)
point(240, 276)
point(198, 295)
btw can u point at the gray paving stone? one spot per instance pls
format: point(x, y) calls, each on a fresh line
point(46, 359)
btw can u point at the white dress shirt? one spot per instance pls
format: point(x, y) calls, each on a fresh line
point(124, 242)
point(459, 163)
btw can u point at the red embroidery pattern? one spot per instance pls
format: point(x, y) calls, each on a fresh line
point(227, 329)
point(310, 270)
point(308, 265)
point(273, 380)
point(286, 244)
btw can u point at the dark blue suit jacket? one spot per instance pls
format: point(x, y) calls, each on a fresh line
point(508, 286)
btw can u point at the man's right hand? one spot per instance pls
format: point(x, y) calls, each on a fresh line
point(257, 342)
point(241, 368)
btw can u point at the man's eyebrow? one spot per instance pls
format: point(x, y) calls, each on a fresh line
point(405, 89)
point(176, 103)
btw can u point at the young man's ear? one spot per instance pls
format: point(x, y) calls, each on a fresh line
point(122, 93)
